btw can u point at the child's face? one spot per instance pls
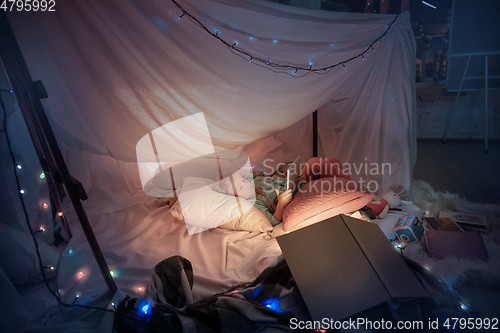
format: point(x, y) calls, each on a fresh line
point(244, 187)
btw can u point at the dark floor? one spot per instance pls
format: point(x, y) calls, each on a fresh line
point(462, 168)
point(465, 169)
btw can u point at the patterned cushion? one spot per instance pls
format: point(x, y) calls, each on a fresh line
point(324, 198)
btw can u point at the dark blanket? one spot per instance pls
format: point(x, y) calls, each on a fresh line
point(267, 304)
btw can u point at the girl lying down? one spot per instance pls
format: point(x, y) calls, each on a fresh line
point(271, 194)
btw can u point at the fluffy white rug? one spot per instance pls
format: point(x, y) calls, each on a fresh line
point(452, 270)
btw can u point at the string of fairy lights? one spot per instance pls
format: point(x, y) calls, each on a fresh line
point(295, 71)
point(462, 303)
point(17, 167)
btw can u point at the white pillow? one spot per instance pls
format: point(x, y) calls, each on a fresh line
point(203, 208)
point(18, 257)
point(205, 167)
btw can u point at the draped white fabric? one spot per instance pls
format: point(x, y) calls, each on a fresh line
point(115, 70)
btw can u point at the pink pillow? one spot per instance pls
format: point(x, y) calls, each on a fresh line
point(323, 198)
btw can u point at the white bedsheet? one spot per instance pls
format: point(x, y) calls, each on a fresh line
point(134, 239)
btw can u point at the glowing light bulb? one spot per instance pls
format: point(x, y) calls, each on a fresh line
point(22, 191)
point(111, 273)
point(141, 289)
point(60, 214)
point(42, 175)
point(51, 268)
point(45, 205)
point(19, 166)
point(42, 229)
point(145, 308)
point(70, 251)
point(463, 306)
point(251, 38)
point(275, 41)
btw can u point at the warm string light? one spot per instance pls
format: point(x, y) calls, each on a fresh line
point(276, 66)
point(42, 268)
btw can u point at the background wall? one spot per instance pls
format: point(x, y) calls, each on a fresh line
point(433, 105)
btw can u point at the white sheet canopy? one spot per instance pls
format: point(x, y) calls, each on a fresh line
point(117, 69)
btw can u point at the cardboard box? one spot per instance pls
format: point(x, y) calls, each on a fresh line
point(343, 266)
